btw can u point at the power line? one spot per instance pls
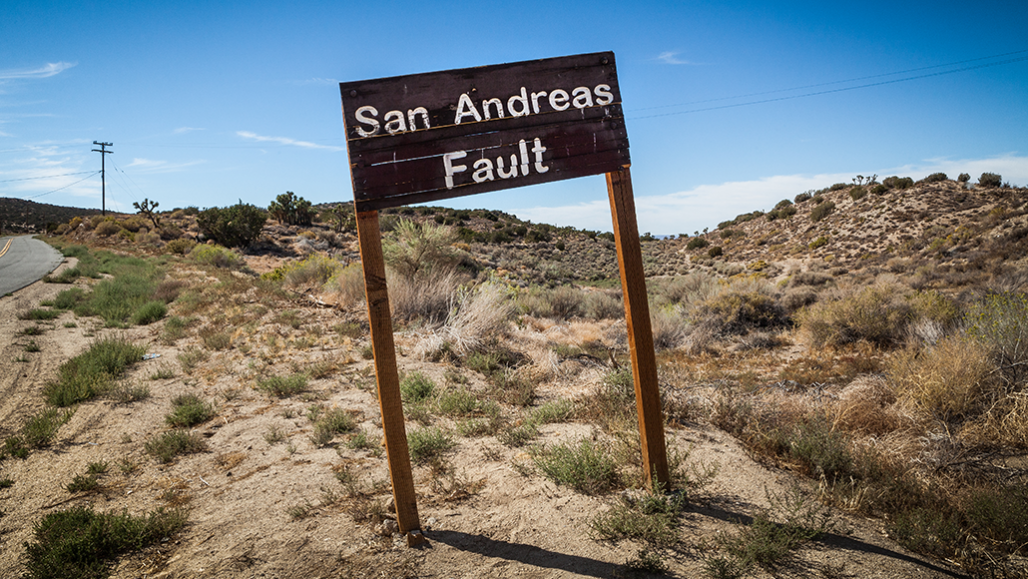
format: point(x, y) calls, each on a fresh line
point(824, 92)
point(47, 176)
point(92, 173)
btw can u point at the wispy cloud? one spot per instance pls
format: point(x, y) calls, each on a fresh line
point(287, 141)
point(140, 165)
point(50, 69)
point(184, 130)
point(670, 57)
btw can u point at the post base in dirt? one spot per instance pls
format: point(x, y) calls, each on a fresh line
point(387, 377)
point(640, 332)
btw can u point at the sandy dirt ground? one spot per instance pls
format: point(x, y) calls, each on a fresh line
point(244, 492)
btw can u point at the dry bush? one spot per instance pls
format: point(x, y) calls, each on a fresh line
point(687, 291)
point(346, 286)
point(947, 381)
point(867, 406)
point(561, 303)
point(669, 327)
point(314, 272)
point(475, 317)
point(168, 291)
point(877, 313)
point(798, 297)
point(426, 296)
point(134, 223)
point(565, 302)
point(1000, 323)
point(604, 305)
point(107, 228)
point(740, 306)
point(810, 278)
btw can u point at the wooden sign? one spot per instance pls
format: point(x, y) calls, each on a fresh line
point(434, 136)
point(426, 137)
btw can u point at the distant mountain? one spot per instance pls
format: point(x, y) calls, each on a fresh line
point(21, 216)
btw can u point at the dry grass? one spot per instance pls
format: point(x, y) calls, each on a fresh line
point(867, 406)
point(346, 286)
point(946, 381)
point(425, 297)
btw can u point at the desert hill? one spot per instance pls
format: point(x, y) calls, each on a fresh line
point(24, 216)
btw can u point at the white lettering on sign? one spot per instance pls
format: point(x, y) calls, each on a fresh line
point(486, 170)
point(395, 122)
point(452, 169)
point(521, 104)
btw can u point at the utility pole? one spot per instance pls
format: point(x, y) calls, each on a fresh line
point(103, 174)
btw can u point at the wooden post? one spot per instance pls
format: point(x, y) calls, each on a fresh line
point(640, 333)
point(397, 451)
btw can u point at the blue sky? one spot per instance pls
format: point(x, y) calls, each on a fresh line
point(211, 102)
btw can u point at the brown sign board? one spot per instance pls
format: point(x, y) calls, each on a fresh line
point(439, 135)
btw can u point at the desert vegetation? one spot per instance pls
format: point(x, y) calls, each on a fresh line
point(864, 342)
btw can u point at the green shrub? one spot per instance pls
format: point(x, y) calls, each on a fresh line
point(858, 193)
point(314, 271)
point(715, 252)
point(82, 543)
point(651, 519)
point(69, 298)
point(963, 178)
point(783, 213)
point(190, 357)
point(416, 387)
point(149, 313)
point(697, 243)
point(898, 182)
point(330, 423)
point(802, 197)
point(180, 246)
point(91, 373)
point(990, 180)
point(516, 436)
point(819, 242)
point(284, 386)
point(39, 314)
point(935, 178)
point(428, 443)
point(235, 226)
point(41, 428)
point(783, 203)
point(189, 410)
point(165, 447)
point(552, 411)
point(821, 211)
point(458, 402)
point(586, 466)
point(82, 483)
point(879, 190)
point(215, 255)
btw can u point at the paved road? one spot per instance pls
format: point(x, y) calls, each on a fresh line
point(23, 260)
